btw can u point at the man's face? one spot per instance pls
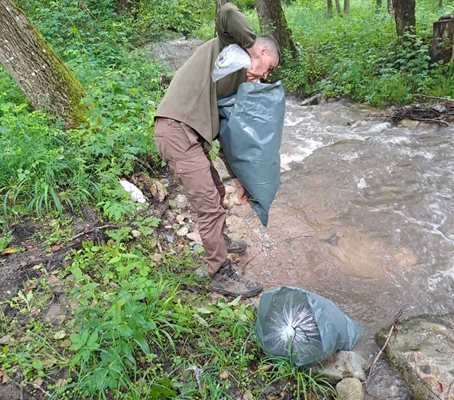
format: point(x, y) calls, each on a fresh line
point(261, 66)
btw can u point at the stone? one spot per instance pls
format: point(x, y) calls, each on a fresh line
point(172, 204)
point(135, 233)
point(221, 168)
point(183, 231)
point(230, 189)
point(180, 219)
point(343, 364)
point(409, 123)
point(422, 351)
point(349, 389)
point(202, 272)
point(384, 383)
point(55, 314)
point(195, 237)
point(181, 201)
point(313, 100)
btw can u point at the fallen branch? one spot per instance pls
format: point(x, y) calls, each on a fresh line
point(434, 97)
point(94, 229)
point(392, 329)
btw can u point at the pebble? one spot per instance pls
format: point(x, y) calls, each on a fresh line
point(183, 231)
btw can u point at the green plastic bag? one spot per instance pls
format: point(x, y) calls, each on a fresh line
point(251, 124)
point(304, 326)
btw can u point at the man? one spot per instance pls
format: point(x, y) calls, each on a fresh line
point(187, 121)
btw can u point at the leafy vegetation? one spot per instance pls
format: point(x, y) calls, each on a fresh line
point(356, 55)
point(137, 323)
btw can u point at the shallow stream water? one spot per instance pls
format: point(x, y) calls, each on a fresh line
point(364, 215)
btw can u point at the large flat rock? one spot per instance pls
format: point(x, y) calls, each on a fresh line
point(422, 351)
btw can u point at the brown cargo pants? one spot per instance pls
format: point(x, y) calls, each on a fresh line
point(182, 148)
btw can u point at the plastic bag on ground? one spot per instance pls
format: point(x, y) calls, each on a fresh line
point(251, 124)
point(307, 328)
point(231, 59)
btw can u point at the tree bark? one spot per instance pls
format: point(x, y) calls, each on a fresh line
point(346, 6)
point(272, 22)
point(404, 15)
point(389, 4)
point(38, 71)
point(338, 7)
point(329, 7)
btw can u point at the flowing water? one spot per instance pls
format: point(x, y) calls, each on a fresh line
point(364, 215)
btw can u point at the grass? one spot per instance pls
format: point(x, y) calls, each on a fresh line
point(133, 329)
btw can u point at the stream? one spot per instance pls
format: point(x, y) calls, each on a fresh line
point(364, 215)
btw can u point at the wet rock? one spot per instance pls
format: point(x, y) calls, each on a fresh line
point(422, 351)
point(359, 124)
point(349, 389)
point(384, 383)
point(343, 364)
point(409, 123)
point(313, 100)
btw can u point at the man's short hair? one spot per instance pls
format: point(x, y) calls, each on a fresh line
point(272, 43)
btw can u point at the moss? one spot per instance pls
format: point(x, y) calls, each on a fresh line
point(74, 112)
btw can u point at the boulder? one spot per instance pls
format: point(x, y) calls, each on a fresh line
point(349, 389)
point(422, 350)
point(343, 364)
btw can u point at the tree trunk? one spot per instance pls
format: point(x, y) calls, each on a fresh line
point(346, 6)
point(338, 7)
point(329, 7)
point(272, 21)
point(389, 4)
point(404, 15)
point(38, 71)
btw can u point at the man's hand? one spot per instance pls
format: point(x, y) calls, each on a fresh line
point(242, 194)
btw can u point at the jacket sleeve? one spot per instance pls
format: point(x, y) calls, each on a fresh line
point(233, 27)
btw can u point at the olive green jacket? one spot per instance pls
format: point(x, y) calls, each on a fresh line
point(192, 96)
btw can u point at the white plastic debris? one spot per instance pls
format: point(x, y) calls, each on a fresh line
point(134, 191)
point(230, 59)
